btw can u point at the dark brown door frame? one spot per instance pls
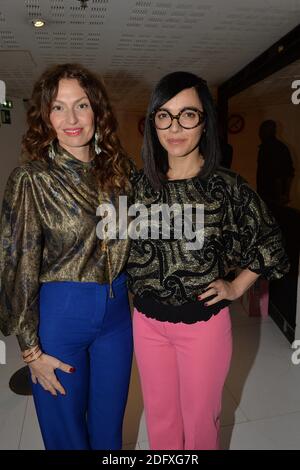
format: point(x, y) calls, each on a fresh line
point(279, 55)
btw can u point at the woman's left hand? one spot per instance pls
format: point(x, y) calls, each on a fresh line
point(221, 290)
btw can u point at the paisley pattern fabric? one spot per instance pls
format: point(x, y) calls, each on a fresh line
point(48, 233)
point(239, 231)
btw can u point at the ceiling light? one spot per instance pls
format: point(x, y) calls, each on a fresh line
point(83, 3)
point(38, 23)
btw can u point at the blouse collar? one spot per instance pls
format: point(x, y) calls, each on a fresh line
point(68, 161)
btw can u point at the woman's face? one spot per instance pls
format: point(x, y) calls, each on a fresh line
point(176, 140)
point(72, 117)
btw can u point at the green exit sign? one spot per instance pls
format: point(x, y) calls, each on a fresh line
point(8, 104)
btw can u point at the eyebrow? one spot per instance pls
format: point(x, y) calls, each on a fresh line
point(77, 101)
point(193, 108)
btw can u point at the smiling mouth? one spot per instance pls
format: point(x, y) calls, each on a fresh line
point(73, 132)
point(175, 141)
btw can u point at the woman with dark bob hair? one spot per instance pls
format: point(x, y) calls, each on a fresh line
point(63, 290)
point(181, 323)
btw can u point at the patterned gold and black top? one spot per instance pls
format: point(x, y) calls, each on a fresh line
point(48, 233)
point(166, 277)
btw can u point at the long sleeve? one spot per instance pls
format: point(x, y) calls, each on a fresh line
point(20, 260)
point(261, 243)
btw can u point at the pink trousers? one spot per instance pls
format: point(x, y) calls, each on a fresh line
point(182, 370)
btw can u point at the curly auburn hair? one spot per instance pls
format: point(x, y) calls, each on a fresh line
point(113, 166)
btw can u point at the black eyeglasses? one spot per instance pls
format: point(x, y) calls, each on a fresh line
point(188, 118)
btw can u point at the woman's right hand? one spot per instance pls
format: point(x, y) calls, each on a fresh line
point(42, 372)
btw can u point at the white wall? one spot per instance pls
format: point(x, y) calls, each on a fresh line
point(10, 142)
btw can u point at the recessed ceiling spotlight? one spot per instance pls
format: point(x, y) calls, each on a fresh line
point(83, 3)
point(38, 23)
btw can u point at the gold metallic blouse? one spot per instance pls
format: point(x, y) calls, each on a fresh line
point(48, 233)
point(239, 231)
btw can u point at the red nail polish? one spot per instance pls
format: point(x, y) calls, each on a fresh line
point(72, 369)
point(206, 304)
point(199, 297)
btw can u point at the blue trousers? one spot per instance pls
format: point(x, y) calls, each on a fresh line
point(81, 326)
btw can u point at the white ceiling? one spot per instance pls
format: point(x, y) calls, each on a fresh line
point(132, 43)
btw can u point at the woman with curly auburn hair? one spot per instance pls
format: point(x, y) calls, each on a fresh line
point(63, 290)
point(113, 166)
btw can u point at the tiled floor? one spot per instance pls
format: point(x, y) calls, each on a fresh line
point(261, 403)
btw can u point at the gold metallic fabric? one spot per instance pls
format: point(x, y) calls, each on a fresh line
point(239, 231)
point(48, 233)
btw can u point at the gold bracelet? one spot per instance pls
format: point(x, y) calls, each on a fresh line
point(35, 358)
point(35, 353)
point(32, 351)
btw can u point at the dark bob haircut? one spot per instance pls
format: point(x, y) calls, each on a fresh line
point(154, 155)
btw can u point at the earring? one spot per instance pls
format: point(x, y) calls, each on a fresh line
point(97, 148)
point(51, 151)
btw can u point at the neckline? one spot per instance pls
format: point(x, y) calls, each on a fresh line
point(190, 178)
point(67, 160)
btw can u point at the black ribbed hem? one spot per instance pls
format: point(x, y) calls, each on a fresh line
point(189, 312)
